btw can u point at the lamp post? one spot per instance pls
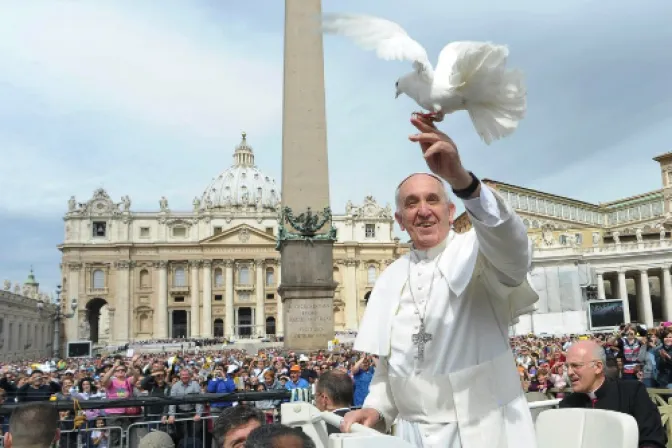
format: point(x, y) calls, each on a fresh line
point(57, 316)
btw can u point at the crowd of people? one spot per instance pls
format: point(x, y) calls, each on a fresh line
point(632, 352)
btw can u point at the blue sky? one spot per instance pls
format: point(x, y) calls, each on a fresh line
point(148, 98)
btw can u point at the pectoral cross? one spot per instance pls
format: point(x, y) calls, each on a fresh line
point(420, 339)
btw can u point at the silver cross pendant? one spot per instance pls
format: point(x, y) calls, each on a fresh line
point(420, 339)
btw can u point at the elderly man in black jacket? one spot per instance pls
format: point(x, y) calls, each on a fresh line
point(586, 362)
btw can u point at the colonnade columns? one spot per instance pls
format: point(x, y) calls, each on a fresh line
point(666, 287)
point(161, 323)
point(120, 332)
point(228, 299)
point(280, 322)
point(207, 299)
point(645, 298)
point(623, 295)
point(260, 314)
point(600, 287)
point(195, 308)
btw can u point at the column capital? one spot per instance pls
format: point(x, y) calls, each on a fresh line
point(351, 263)
point(228, 263)
point(74, 266)
point(162, 264)
point(259, 262)
point(644, 271)
point(207, 263)
point(599, 273)
point(195, 263)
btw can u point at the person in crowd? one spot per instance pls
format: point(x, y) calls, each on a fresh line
point(156, 386)
point(591, 389)
point(278, 436)
point(191, 429)
point(234, 424)
point(295, 380)
point(36, 389)
point(632, 351)
point(118, 384)
point(362, 373)
point(663, 360)
point(334, 393)
point(221, 383)
point(452, 290)
point(33, 425)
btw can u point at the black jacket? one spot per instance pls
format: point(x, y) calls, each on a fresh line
point(629, 397)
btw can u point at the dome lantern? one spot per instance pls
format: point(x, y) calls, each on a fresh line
point(243, 155)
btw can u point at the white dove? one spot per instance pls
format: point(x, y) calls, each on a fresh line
point(469, 76)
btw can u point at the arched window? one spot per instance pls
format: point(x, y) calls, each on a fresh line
point(219, 278)
point(371, 275)
point(270, 277)
point(243, 275)
point(98, 279)
point(179, 278)
point(144, 279)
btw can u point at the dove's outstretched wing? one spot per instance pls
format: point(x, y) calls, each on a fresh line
point(476, 72)
point(389, 40)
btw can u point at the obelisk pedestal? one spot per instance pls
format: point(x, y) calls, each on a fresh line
point(306, 234)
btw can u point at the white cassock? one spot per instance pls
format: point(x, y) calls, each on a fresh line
point(466, 393)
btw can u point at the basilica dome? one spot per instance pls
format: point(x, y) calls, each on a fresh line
point(242, 185)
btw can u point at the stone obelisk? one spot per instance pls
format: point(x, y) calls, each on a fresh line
point(306, 234)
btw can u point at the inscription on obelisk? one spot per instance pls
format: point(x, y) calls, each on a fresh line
point(306, 235)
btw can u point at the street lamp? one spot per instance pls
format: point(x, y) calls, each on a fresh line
point(57, 316)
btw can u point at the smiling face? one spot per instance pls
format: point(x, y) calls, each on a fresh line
point(423, 210)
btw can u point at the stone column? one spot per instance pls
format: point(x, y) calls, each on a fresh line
point(111, 314)
point(279, 322)
point(207, 299)
point(600, 287)
point(120, 333)
point(307, 284)
point(195, 308)
point(645, 297)
point(261, 294)
point(161, 323)
point(666, 284)
point(228, 298)
point(71, 330)
point(623, 295)
point(351, 299)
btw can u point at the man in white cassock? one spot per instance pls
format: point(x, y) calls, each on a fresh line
point(439, 317)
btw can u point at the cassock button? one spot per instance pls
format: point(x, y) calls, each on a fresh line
point(420, 287)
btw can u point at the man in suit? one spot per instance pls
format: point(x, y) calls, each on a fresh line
point(334, 393)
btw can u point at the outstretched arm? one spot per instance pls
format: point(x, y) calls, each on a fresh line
point(502, 236)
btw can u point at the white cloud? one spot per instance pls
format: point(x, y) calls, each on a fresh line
point(92, 56)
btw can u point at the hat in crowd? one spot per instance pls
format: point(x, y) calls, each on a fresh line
point(232, 368)
point(303, 358)
point(156, 439)
point(295, 368)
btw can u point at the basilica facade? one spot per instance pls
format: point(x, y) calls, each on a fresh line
point(584, 253)
point(212, 271)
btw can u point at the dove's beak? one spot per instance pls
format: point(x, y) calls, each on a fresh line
point(397, 94)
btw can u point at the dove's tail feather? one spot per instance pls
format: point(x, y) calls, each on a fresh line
point(494, 96)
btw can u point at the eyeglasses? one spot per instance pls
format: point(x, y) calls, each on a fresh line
point(580, 365)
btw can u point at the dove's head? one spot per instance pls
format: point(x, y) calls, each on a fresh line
point(410, 84)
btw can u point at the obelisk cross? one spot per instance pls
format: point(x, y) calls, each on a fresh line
point(420, 339)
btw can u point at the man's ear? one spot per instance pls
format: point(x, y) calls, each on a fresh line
point(397, 217)
point(8, 440)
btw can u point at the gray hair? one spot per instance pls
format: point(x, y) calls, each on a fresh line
point(156, 439)
point(275, 436)
point(600, 355)
point(397, 193)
